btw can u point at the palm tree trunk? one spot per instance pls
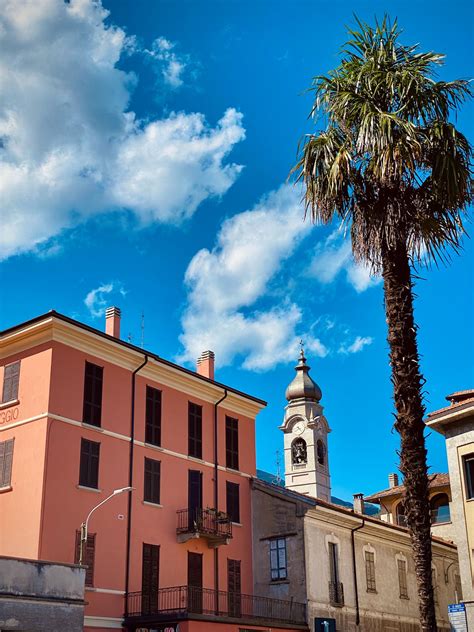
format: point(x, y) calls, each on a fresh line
point(407, 384)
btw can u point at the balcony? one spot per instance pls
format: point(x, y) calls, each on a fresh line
point(336, 594)
point(188, 602)
point(214, 526)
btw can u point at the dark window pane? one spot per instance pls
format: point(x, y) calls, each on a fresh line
point(234, 587)
point(88, 557)
point(92, 412)
point(11, 378)
point(469, 474)
point(153, 416)
point(232, 443)
point(6, 462)
point(89, 464)
point(195, 430)
point(233, 501)
point(151, 492)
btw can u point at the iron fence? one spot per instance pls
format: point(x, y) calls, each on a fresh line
point(180, 601)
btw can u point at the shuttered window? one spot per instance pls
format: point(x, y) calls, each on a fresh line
point(278, 565)
point(402, 579)
point(333, 562)
point(150, 577)
point(232, 443)
point(195, 430)
point(468, 462)
point(152, 481)
point(370, 571)
point(153, 416)
point(92, 413)
point(233, 501)
point(88, 557)
point(6, 462)
point(11, 378)
point(234, 587)
point(89, 465)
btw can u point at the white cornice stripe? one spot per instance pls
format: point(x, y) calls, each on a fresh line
point(121, 437)
point(107, 591)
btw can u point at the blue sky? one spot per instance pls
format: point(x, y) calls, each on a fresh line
point(145, 150)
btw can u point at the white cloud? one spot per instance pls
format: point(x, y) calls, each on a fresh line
point(357, 345)
point(71, 149)
point(334, 257)
point(170, 64)
point(225, 284)
point(97, 300)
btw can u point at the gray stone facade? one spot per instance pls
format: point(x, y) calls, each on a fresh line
point(37, 596)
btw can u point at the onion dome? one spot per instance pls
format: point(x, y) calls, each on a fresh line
point(303, 386)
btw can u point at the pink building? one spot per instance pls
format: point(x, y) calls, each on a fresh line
point(84, 413)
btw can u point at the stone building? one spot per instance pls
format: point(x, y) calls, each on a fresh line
point(392, 508)
point(355, 571)
point(38, 596)
point(456, 423)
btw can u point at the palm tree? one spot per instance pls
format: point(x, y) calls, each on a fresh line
point(391, 166)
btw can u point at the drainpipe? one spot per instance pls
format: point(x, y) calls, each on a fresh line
point(216, 497)
point(130, 481)
point(354, 568)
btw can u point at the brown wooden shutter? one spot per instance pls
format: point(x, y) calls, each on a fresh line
point(89, 464)
point(11, 378)
point(234, 587)
point(88, 557)
point(150, 577)
point(93, 376)
point(153, 416)
point(151, 492)
point(232, 442)
point(233, 501)
point(195, 430)
point(6, 462)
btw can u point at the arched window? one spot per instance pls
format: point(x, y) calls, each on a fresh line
point(321, 452)
point(440, 509)
point(299, 452)
point(400, 514)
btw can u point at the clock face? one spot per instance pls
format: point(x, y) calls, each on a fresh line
point(299, 427)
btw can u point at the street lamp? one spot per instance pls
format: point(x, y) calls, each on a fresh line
point(84, 525)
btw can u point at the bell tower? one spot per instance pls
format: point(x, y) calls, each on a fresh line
point(305, 432)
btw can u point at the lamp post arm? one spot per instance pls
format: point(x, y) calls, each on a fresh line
point(86, 523)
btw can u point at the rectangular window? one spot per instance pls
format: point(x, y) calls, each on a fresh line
point(6, 462)
point(150, 578)
point(153, 416)
point(234, 588)
point(11, 378)
point(92, 412)
point(195, 430)
point(152, 481)
point(89, 467)
point(232, 443)
point(278, 567)
point(195, 592)
point(336, 593)
point(233, 501)
point(88, 555)
point(370, 571)
point(402, 579)
point(333, 562)
point(468, 463)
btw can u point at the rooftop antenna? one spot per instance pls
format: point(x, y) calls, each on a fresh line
point(142, 327)
point(278, 468)
point(129, 338)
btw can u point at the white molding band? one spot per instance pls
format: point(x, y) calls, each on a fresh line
point(103, 622)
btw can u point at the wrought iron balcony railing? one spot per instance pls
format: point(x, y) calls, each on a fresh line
point(213, 525)
point(336, 593)
point(181, 601)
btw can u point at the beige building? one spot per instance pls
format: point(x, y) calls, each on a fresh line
point(392, 508)
point(456, 423)
point(355, 571)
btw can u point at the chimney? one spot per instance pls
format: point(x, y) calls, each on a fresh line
point(359, 503)
point(205, 364)
point(112, 321)
point(393, 480)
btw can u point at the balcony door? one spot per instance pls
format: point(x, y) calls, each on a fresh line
point(234, 588)
point(194, 497)
point(150, 578)
point(194, 582)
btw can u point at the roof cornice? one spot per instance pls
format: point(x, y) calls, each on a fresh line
point(58, 328)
